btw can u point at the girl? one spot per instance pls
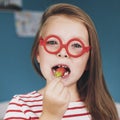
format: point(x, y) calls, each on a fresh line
point(66, 53)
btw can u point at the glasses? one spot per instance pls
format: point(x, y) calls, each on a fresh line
point(74, 47)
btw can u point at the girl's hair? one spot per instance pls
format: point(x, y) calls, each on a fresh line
point(91, 86)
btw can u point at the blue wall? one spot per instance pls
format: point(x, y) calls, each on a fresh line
point(16, 72)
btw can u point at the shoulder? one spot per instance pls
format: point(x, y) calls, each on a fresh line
point(21, 106)
point(27, 98)
point(30, 95)
point(77, 110)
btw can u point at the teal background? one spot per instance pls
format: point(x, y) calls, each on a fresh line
point(16, 72)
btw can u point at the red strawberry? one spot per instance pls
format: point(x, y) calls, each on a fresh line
point(60, 72)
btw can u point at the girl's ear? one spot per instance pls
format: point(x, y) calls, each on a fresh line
point(38, 57)
point(86, 69)
point(87, 66)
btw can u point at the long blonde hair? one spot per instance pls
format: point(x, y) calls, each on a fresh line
point(91, 86)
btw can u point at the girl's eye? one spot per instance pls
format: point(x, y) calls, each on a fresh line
point(52, 42)
point(76, 45)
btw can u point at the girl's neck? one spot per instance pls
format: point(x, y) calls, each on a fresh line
point(74, 93)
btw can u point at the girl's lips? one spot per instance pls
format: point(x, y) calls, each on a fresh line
point(61, 70)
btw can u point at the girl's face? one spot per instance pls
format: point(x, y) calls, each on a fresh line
point(66, 29)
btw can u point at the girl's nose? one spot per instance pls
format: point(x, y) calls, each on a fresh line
point(63, 53)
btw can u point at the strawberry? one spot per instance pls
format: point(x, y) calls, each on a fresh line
point(60, 72)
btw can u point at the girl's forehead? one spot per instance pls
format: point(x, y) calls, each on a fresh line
point(65, 27)
point(54, 19)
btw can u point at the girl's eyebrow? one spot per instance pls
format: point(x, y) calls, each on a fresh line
point(86, 42)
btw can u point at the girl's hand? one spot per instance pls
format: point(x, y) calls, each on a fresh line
point(55, 101)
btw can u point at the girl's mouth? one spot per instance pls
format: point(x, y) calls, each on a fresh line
point(61, 71)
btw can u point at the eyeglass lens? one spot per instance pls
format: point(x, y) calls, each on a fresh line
point(74, 47)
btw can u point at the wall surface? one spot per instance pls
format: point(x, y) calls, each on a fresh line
point(16, 72)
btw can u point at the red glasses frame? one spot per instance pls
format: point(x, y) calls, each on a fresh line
point(84, 50)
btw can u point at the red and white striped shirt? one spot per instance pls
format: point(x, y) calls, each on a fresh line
point(29, 107)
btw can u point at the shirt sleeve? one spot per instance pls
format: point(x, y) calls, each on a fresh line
point(15, 110)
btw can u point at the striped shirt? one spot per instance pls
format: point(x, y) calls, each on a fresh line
point(29, 107)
